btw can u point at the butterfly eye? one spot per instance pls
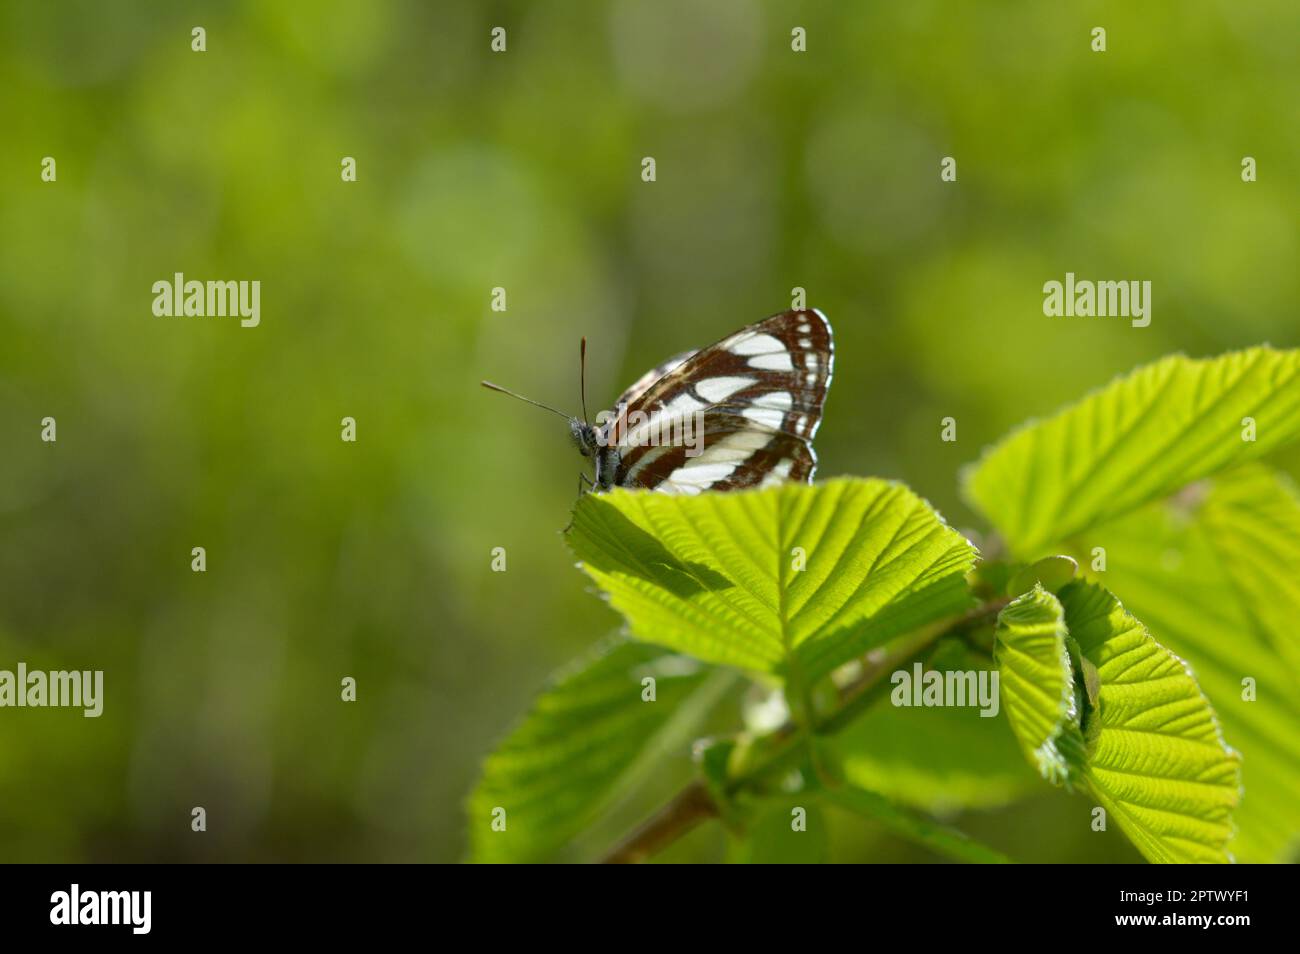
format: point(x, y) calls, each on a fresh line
point(579, 436)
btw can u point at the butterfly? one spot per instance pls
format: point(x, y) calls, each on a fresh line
point(740, 413)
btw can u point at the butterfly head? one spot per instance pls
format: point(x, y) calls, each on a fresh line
point(584, 435)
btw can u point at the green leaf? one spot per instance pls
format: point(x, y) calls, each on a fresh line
point(585, 739)
point(1252, 520)
point(1052, 572)
point(938, 838)
point(1157, 761)
point(1138, 439)
point(794, 579)
point(937, 758)
point(1213, 574)
point(1037, 684)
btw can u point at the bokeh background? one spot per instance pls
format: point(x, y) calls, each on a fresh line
point(326, 559)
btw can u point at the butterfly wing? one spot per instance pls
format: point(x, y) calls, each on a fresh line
point(643, 383)
point(760, 392)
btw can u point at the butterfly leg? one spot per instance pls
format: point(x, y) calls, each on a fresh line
point(585, 485)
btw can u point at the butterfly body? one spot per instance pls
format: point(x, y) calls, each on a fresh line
point(590, 444)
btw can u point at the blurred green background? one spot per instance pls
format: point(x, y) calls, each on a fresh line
point(522, 170)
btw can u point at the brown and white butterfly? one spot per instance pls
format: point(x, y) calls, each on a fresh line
point(756, 398)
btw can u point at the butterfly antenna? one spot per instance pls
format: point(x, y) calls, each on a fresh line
point(582, 376)
point(546, 407)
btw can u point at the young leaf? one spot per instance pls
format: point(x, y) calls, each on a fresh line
point(1157, 761)
point(794, 578)
point(584, 736)
point(938, 838)
point(1136, 440)
point(1037, 684)
point(1214, 575)
point(1052, 572)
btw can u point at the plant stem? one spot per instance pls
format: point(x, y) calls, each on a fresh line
point(693, 804)
point(687, 809)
